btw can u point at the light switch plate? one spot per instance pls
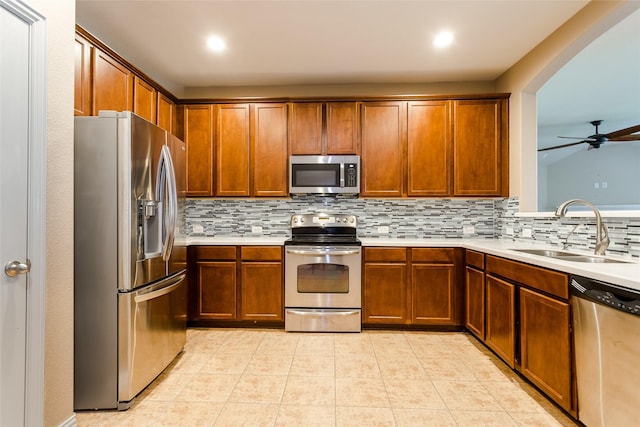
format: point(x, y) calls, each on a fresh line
point(527, 232)
point(256, 229)
point(509, 231)
point(468, 229)
point(197, 228)
point(383, 229)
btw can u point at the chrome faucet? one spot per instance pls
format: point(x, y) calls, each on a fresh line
point(602, 234)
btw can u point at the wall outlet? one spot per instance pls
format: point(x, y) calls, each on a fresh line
point(197, 228)
point(527, 232)
point(256, 229)
point(383, 229)
point(509, 231)
point(468, 229)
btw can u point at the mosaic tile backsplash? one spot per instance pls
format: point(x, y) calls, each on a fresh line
point(408, 219)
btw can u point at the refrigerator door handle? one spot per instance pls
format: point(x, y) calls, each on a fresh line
point(174, 283)
point(166, 192)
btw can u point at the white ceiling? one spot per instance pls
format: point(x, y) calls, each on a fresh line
point(322, 41)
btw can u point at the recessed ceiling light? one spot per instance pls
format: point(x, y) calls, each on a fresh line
point(216, 44)
point(443, 39)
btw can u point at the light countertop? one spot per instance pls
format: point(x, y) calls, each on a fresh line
point(622, 274)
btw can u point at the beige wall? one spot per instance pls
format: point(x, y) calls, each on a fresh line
point(530, 73)
point(58, 369)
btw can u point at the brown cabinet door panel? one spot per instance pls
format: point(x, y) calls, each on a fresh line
point(429, 149)
point(198, 136)
point(545, 345)
point(305, 128)
point(474, 297)
point(262, 291)
point(112, 84)
point(385, 254)
point(434, 294)
point(383, 148)
point(479, 152)
point(82, 77)
point(342, 136)
point(232, 150)
point(261, 253)
point(216, 288)
point(500, 318)
point(166, 113)
point(144, 99)
point(269, 160)
point(385, 293)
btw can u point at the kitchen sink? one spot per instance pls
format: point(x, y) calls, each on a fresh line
point(570, 256)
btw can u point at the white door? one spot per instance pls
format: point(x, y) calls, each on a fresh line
point(16, 141)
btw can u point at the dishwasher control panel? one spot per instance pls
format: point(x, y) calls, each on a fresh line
point(606, 294)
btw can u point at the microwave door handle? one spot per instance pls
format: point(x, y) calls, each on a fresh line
point(341, 175)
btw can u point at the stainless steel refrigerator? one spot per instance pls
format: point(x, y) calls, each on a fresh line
point(130, 267)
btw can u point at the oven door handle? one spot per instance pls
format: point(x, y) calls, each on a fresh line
point(316, 252)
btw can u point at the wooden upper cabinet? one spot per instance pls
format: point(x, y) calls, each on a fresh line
point(112, 84)
point(198, 136)
point(269, 158)
point(144, 99)
point(232, 150)
point(383, 148)
point(166, 113)
point(480, 148)
point(82, 77)
point(305, 127)
point(323, 128)
point(429, 148)
point(342, 130)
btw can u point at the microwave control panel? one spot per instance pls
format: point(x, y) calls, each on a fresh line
point(351, 175)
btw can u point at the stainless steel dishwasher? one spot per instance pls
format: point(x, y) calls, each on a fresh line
point(606, 321)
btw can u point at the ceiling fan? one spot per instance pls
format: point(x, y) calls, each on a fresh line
point(597, 139)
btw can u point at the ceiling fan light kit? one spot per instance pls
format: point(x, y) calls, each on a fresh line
point(597, 139)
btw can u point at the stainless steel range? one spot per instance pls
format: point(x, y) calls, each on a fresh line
point(323, 261)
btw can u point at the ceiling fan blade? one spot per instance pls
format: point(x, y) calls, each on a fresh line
point(575, 137)
point(562, 146)
point(623, 132)
point(626, 138)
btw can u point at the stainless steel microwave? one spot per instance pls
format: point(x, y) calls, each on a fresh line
point(324, 174)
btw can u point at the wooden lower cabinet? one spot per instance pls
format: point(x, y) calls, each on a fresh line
point(236, 284)
point(475, 298)
point(545, 347)
point(412, 286)
point(501, 318)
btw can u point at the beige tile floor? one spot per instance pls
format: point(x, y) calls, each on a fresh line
point(248, 377)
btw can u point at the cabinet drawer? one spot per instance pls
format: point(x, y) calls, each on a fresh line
point(216, 252)
point(261, 253)
point(475, 259)
point(433, 254)
point(549, 281)
point(385, 254)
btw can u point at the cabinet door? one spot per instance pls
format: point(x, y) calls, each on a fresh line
point(429, 149)
point(112, 84)
point(166, 113)
point(82, 78)
point(500, 317)
point(269, 160)
point(545, 345)
point(262, 297)
point(305, 128)
point(232, 150)
point(216, 290)
point(434, 295)
point(144, 99)
point(480, 156)
point(383, 146)
point(342, 135)
point(474, 296)
point(385, 293)
point(198, 136)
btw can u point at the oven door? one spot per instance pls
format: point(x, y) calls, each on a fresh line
point(323, 276)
